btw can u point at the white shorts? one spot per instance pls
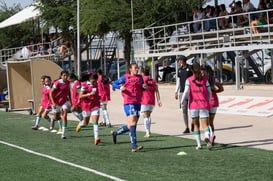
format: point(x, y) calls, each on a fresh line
point(104, 103)
point(213, 110)
point(146, 108)
point(45, 109)
point(59, 108)
point(95, 112)
point(201, 113)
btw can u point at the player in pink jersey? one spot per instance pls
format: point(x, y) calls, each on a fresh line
point(131, 86)
point(198, 90)
point(45, 106)
point(216, 87)
point(76, 105)
point(90, 103)
point(60, 98)
point(104, 93)
point(148, 100)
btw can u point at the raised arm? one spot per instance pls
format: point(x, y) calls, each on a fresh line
point(118, 83)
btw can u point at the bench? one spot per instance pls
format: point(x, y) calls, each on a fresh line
point(6, 104)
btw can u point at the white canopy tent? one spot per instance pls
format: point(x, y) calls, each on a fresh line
point(26, 14)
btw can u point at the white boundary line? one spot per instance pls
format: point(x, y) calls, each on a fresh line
point(62, 161)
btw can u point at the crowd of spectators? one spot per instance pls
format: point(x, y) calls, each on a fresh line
point(240, 16)
point(46, 45)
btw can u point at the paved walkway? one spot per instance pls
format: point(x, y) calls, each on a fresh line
point(251, 131)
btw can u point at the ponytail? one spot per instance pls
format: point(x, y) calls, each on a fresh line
point(196, 70)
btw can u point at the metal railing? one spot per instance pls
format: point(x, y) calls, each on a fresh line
point(40, 50)
point(179, 38)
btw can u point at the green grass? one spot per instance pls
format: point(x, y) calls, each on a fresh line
point(158, 160)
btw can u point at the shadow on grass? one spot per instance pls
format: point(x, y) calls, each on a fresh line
point(218, 147)
point(167, 148)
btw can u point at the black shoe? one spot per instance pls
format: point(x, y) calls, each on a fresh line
point(102, 124)
point(192, 127)
point(187, 130)
point(114, 137)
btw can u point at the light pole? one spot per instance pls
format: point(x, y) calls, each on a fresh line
point(78, 40)
point(132, 45)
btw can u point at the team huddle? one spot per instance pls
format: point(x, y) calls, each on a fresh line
point(139, 92)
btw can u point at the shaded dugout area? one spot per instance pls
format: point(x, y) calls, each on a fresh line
point(24, 82)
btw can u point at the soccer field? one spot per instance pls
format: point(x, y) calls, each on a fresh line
point(26, 154)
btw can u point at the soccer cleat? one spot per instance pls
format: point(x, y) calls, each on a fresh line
point(97, 141)
point(212, 138)
point(109, 125)
point(147, 135)
point(63, 137)
point(187, 130)
point(59, 131)
point(102, 124)
point(35, 128)
point(78, 128)
point(114, 137)
point(198, 148)
point(137, 148)
point(209, 145)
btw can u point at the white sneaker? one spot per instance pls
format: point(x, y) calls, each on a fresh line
point(198, 148)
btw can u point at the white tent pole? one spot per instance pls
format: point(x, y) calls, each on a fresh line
point(78, 39)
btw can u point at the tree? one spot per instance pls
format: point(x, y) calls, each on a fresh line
point(62, 15)
point(101, 16)
point(115, 15)
point(13, 36)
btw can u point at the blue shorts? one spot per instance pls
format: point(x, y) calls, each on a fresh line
point(132, 109)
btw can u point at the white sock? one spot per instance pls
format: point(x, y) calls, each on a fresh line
point(147, 124)
point(82, 123)
point(207, 133)
point(63, 131)
point(96, 130)
point(60, 124)
point(197, 138)
point(38, 119)
point(105, 116)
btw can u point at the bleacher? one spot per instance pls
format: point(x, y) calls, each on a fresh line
point(183, 41)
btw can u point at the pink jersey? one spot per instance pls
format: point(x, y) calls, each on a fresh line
point(62, 90)
point(75, 93)
point(148, 95)
point(46, 102)
point(214, 102)
point(104, 90)
point(198, 93)
point(133, 92)
point(91, 102)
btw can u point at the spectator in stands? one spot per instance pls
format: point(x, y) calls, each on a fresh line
point(216, 11)
point(270, 12)
point(53, 45)
point(240, 20)
point(223, 22)
point(271, 4)
point(211, 23)
point(266, 2)
point(248, 6)
point(197, 15)
point(261, 20)
point(63, 49)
